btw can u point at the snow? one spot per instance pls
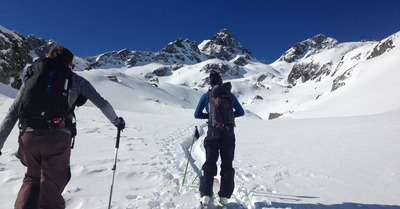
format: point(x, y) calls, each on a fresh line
point(339, 151)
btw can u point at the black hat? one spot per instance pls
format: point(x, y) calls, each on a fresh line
point(215, 78)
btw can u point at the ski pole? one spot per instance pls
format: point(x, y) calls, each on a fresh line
point(197, 175)
point(195, 136)
point(114, 167)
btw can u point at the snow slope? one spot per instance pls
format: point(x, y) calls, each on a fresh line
point(332, 162)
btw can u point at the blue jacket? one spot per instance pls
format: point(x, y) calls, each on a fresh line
point(203, 103)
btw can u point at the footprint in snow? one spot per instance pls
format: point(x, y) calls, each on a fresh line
point(10, 179)
point(169, 176)
point(131, 196)
point(95, 171)
point(73, 190)
point(153, 204)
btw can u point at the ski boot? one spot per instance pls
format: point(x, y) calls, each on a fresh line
point(224, 202)
point(204, 201)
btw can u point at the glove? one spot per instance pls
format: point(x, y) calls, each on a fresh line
point(0, 153)
point(121, 124)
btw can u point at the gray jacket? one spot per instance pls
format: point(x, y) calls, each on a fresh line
point(80, 86)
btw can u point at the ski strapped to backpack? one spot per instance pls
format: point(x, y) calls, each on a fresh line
point(220, 106)
point(44, 103)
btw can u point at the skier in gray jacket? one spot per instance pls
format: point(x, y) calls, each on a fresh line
point(45, 155)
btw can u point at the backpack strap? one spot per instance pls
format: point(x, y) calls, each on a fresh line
point(71, 124)
point(22, 125)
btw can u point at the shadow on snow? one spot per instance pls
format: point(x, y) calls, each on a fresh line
point(346, 205)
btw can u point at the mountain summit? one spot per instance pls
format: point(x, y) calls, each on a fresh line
point(224, 46)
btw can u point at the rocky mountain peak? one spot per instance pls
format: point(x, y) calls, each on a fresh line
point(180, 50)
point(225, 46)
point(181, 45)
point(225, 38)
point(14, 55)
point(308, 47)
point(39, 46)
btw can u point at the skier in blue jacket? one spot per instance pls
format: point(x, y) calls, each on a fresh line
point(219, 141)
point(203, 104)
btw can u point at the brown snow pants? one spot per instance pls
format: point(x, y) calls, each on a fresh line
point(46, 156)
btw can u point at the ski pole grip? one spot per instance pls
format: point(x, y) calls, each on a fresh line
point(117, 142)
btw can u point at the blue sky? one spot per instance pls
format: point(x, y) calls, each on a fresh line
point(266, 27)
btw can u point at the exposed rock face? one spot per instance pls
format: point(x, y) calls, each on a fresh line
point(340, 80)
point(140, 57)
point(241, 61)
point(14, 55)
point(162, 71)
point(180, 51)
point(308, 47)
point(307, 71)
point(110, 59)
point(224, 46)
point(39, 47)
point(274, 116)
point(16, 51)
point(382, 48)
point(223, 69)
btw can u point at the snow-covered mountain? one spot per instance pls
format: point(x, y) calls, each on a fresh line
point(312, 73)
point(223, 46)
point(177, 52)
point(330, 70)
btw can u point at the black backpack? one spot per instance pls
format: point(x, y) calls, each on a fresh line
point(44, 103)
point(220, 106)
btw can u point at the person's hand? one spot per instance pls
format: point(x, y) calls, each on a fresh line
point(0, 153)
point(121, 124)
